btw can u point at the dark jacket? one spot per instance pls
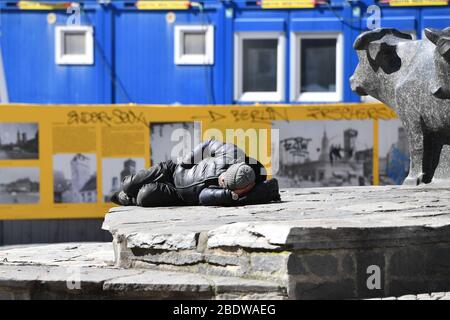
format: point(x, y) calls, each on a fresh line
point(202, 167)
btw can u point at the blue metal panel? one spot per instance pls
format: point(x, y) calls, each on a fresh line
point(313, 20)
point(404, 19)
point(261, 24)
point(28, 45)
point(402, 23)
point(144, 51)
point(435, 18)
point(227, 68)
point(134, 50)
point(352, 27)
point(260, 20)
point(319, 24)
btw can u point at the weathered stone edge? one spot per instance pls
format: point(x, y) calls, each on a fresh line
point(31, 282)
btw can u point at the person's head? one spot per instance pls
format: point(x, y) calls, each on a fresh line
point(239, 178)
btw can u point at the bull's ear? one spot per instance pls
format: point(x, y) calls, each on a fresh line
point(433, 34)
point(443, 46)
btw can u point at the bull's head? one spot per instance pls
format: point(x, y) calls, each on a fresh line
point(440, 85)
point(377, 53)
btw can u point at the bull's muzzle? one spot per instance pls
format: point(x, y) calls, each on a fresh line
point(357, 88)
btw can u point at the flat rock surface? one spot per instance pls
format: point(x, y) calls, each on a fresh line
point(421, 296)
point(271, 226)
point(96, 254)
point(89, 264)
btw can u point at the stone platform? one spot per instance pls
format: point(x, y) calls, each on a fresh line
point(86, 271)
point(316, 244)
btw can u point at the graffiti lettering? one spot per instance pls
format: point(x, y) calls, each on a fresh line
point(347, 113)
point(263, 115)
point(266, 115)
point(297, 146)
point(128, 117)
point(116, 117)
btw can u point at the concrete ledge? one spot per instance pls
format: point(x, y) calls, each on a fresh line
point(68, 274)
point(29, 282)
point(318, 242)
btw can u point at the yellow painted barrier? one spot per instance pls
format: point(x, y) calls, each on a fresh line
point(61, 161)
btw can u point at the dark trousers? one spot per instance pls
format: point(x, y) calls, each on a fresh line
point(153, 187)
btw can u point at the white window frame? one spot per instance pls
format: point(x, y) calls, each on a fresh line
point(74, 59)
point(194, 59)
point(295, 92)
point(270, 96)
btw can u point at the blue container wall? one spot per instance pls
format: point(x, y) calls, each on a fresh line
point(134, 50)
point(306, 21)
point(413, 19)
point(28, 47)
point(144, 54)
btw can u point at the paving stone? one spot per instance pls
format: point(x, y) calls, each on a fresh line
point(424, 296)
point(377, 216)
point(324, 290)
point(348, 264)
point(70, 254)
point(269, 263)
point(421, 296)
point(160, 281)
point(438, 295)
point(408, 262)
point(170, 257)
point(316, 244)
point(321, 264)
point(104, 282)
point(295, 265)
point(418, 285)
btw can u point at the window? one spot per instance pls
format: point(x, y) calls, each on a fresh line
point(74, 45)
point(259, 66)
point(317, 67)
point(194, 45)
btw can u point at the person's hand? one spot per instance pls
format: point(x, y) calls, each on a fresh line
point(222, 180)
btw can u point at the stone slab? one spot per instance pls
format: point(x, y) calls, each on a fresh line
point(84, 271)
point(50, 282)
point(307, 218)
point(319, 243)
point(316, 244)
point(96, 254)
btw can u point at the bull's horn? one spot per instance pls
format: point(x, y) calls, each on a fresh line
point(369, 36)
point(433, 34)
point(366, 37)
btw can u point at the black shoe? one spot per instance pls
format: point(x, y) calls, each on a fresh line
point(272, 184)
point(121, 198)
